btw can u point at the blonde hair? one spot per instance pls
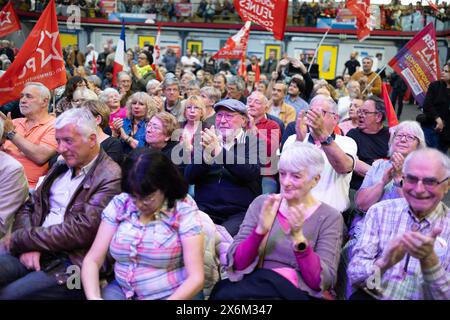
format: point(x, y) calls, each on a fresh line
point(169, 122)
point(98, 108)
point(149, 103)
point(197, 101)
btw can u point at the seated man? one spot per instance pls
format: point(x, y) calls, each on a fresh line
point(13, 189)
point(371, 137)
point(402, 252)
point(32, 138)
point(227, 175)
point(56, 230)
point(339, 151)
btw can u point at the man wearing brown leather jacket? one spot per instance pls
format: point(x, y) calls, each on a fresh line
point(53, 231)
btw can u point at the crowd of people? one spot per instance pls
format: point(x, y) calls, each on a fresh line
point(299, 13)
point(187, 181)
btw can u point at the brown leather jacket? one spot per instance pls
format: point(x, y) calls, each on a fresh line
point(82, 218)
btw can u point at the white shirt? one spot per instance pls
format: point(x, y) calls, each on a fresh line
point(90, 56)
point(188, 63)
point(61, 192)
point(343, 107)
point(275, 111)
point(333, 188)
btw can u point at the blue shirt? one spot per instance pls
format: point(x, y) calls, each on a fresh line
point(139, 135)
point(298, 104)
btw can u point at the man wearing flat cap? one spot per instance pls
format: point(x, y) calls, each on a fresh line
point(227, 176)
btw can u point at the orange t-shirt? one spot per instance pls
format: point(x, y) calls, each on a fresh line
point(41, 134)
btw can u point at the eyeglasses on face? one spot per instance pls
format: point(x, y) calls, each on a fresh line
point(407, 137)
point(227, 116)
point(365, 112)
point(428, 182)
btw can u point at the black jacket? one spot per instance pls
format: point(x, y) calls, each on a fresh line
point(437, 104)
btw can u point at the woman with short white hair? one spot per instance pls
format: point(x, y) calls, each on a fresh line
point(111, 97)
point(82, 94)
point(298, 236)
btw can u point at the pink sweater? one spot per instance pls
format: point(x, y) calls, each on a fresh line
point(308, 261)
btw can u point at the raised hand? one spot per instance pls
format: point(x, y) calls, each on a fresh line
point(393, 254)
point(296, 219)
point(268, 213)
point(300, 126)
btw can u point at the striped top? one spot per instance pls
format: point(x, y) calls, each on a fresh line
point(149, 257)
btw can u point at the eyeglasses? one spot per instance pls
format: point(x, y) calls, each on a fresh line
point(146, 200)
point(228, 116)
point(427, 181)
point(151, 127)
point(407, 137)
point(365, 112)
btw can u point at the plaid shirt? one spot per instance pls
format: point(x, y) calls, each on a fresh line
point(149, 258)
point(385, 221)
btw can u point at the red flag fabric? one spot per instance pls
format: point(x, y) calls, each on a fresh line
point(236, 46)
point(433, 5)
point(390, 112)
point(269, 14)
point(257, 72)
point(94, 65)
point(39, 60)
point(361, 9)
point(8, 20)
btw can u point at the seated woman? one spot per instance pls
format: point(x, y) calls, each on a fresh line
point(112, 146)
point(65, 103)
point(131, 130)
point(153, 231)
point(111, 98)
point(298, 236)
point(194, 113)
point(159, 132)
point(351, 122)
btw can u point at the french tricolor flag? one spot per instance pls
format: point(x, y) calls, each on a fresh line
point(119, 57)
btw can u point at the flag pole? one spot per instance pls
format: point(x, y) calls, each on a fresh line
point(373, 79)
point(317, 49)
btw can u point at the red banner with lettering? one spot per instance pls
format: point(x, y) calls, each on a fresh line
point(8, 20)
point(269, 14)
point(417, 62)
point(39, 60)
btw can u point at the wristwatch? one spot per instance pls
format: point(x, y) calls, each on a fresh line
point(10, 135)
point(327, 141)
point(300, 247)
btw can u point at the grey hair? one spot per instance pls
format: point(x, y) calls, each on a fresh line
point(410, 126)
point(95, 79)
point(238, 82)
point(428, 153)
point(379, 105)
point(301, 156)
point(331, 104)
point(212, 93)
point(105, 94)
point(123, 73)
point(368, 58)
point(152, 83)
point(86, 93)
point(43, 90)
point(193, 83)
point(82, 118)
point(170, 81)
point(354, 85)
point(262, 96)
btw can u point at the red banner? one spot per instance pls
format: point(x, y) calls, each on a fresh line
point(270, 14)
point(39, 60)
point(361, 9)
point(417, 62)
point(236, 46)
point(390, 112)
point(8, 20)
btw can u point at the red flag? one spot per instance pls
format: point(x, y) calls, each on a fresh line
point(418, 62)
point(39, 60)
point(270, 14)
point(8, 20)
point(257, 70)
point(361, 9)
point(94, 64)
point(236, 46)
point(433, 5)
point(390, 112)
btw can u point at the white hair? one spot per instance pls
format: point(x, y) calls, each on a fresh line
point(152, 83)
point(429, 153)
point(82, 118)
point(105, 94)
point(43, 90)
point(412, 127)
point(301, 156)
point(333, 107)
point(86, 94)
